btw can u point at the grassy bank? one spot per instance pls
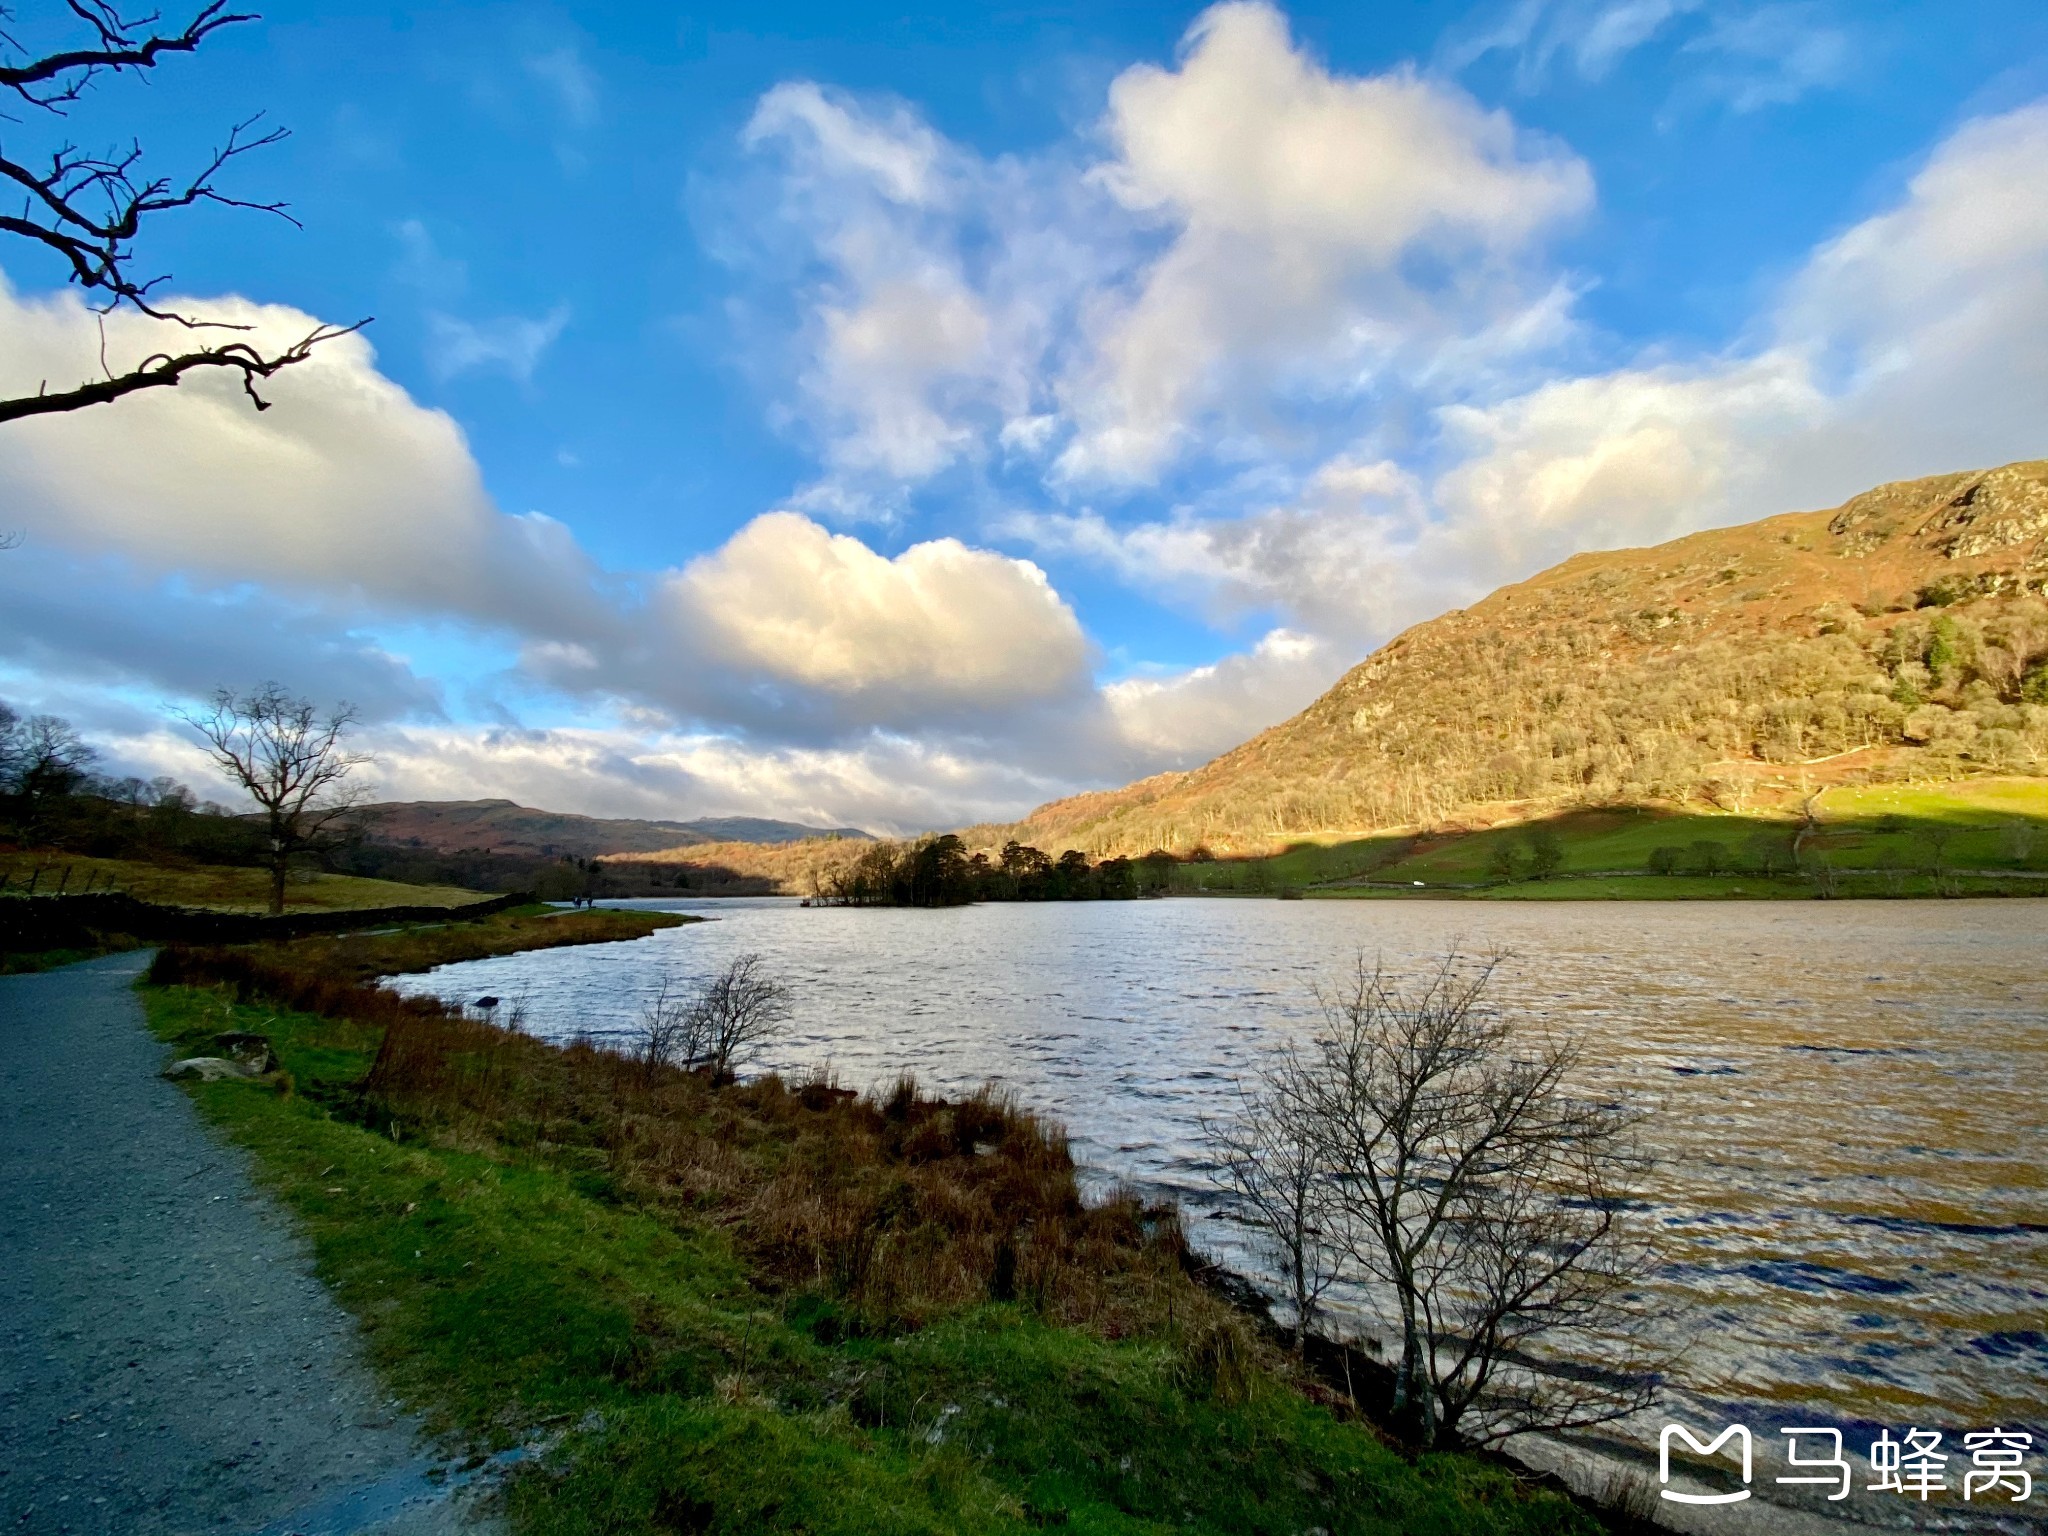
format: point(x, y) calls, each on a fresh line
point(770, 1307)
point(362, 957)
point(1975, 837)
point(222, 887)
point(384, 952)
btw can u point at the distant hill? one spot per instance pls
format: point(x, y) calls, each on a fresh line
point(1903, 634)
point(501, 827)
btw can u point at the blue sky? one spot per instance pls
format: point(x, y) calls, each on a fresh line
point(906, 418)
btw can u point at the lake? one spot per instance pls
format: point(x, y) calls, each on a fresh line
point(1847, 1097)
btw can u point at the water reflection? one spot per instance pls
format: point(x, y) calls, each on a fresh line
point(1848, 1096)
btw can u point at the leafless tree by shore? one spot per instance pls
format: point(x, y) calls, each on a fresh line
point(1270, 1159)
point(1481, 1198)
point(291, 760)
point(720, 1026)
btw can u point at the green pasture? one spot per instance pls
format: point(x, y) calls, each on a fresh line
point(1888, 840)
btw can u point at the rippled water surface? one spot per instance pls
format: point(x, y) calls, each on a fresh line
point(1851, 1099)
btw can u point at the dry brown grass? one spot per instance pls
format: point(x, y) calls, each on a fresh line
point(900, 1206)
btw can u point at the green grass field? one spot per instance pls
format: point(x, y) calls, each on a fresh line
point(1886, 840)
point(222, 887)
point(511, 1287)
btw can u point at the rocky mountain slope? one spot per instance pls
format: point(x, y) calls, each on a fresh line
point(1903, 634)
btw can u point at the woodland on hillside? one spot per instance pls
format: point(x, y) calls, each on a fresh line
point(1700, 670)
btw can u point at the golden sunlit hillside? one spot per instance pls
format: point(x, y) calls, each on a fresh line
point(1902, 635)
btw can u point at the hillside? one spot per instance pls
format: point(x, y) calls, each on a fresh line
point(501, 827)
point(1901, 635)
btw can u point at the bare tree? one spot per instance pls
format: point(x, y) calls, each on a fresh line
point(87, 207)
point(670, 1031)
point(1481, 1202)
point(718, 1026)
point(1270, 1161)
point(42, 761)
point(291, 761)
point(742, 1008)
point(11, 744)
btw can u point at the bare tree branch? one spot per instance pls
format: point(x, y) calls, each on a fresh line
point(118, 48)
point(87, 208)
point(166, 371)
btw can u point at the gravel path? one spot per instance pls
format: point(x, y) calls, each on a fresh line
point(168, 1362)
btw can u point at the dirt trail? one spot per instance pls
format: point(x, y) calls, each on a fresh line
point(168, 1362)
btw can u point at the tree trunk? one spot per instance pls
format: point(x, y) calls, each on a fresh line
point(1414, 1390)
point(280, 858)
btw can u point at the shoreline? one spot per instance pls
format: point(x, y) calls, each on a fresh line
point(356, 1179)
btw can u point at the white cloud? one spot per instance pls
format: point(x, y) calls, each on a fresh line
point(1627, 458)
point(1296, 201)
point(1745, 57)
point(941, 628)
point(511, 345)
point(928, 281)
point(1772, 56)
point(345, 489)
point(1181, 720)
point(1890, 355)
point(886, 358)
point(1327, 561)
point(894, 152)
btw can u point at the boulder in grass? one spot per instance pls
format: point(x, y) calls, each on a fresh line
point(207, 1069)
point(252, 1051)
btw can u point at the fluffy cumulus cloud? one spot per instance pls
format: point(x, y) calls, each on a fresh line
point(915, 262)
point(1182, 719)
point(940, 630)
point(345, 488)
point(1299, 205)
point(1245, 222)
